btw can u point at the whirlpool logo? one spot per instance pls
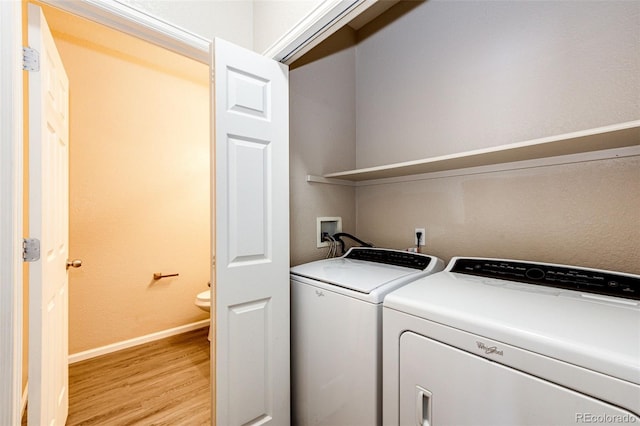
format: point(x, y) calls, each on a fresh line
point(489, 350)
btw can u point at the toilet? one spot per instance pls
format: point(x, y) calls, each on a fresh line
point(203, 301)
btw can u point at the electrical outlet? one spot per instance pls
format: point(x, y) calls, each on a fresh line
point(422, 237)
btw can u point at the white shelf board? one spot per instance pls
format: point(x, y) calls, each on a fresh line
point(601, 138)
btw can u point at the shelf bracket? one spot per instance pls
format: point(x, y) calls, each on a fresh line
point(320, 179)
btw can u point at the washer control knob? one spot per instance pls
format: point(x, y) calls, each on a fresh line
point(534, 273)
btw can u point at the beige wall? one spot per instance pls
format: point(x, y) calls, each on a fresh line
point(444, 77)
point(139, 192)
point(487, 73)
point(448, 77)
point(578, 214)
point(322, 139)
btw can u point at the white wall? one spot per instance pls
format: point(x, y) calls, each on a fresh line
point(231, 20)
point(253, 24)
point(451, 76)
point(273, 19)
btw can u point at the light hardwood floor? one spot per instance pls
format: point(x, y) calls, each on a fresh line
point(165, 382)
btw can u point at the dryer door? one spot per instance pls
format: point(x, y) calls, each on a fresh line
point(442, 385)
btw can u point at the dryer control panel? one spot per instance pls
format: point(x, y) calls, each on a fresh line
point(389, 257)
point(559, 276)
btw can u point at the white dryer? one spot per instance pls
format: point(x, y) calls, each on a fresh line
point(503, 342)
point(336, 333)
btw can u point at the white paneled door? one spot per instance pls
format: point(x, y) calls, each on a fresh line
point(251, 125)
point(48, 222)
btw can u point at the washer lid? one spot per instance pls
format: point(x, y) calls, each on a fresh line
point(597, 332)
point(357, 275)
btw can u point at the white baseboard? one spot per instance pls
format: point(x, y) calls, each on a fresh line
point(92, 353)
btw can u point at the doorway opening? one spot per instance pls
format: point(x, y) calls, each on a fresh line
point(139, 184)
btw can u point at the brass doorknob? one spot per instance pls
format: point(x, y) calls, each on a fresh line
point(76, 263)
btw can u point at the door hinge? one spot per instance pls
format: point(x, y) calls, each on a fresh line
point(31, 249)
point(30, 59)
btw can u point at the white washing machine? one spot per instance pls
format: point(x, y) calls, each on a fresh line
point(502, 342)
point(336, 334)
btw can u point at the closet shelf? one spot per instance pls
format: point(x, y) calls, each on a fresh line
point(608, 137)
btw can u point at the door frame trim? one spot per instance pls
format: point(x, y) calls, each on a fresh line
point(138, 24)
point(327, 18)
point(11, 226)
